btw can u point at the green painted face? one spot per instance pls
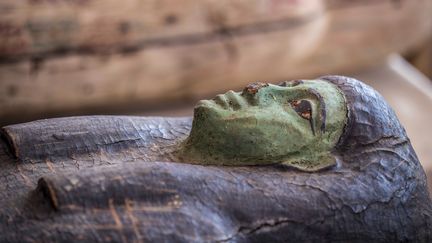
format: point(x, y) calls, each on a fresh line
point(297, 123)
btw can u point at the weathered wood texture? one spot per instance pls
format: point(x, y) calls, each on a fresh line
point(97, 186)
point(94, 179)
point(63, 56)
point(410, 94)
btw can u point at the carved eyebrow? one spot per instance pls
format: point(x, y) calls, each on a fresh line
point(291, 83)
point(316, 94)
point(322, 107)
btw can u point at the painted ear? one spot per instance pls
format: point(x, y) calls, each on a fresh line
point(315, 164)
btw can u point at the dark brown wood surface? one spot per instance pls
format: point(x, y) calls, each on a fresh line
point(113, 179)
point(93, 179)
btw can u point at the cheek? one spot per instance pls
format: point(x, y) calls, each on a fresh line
point(285, 133)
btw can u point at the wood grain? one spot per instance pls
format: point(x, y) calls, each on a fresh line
point(80, 57)
point(86, 178)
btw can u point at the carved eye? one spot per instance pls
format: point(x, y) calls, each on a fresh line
point(303, 108)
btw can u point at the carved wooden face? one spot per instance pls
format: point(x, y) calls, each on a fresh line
point(296, 122)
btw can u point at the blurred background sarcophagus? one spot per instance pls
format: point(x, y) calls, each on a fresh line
point(62, 57)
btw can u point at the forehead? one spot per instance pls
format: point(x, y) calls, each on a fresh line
point(328, 91)
point(317, 84)
point(325, 89)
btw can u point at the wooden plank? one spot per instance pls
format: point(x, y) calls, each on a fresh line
point(40, 27)
point(340, 37)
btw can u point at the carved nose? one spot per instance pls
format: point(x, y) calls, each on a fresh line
point(254, 87)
